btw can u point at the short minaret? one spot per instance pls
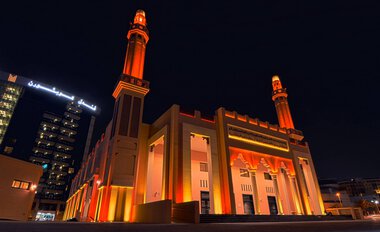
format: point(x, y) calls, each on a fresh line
point(280, 98)
point(126, 122)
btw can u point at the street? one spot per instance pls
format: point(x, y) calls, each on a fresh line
point(348, 226)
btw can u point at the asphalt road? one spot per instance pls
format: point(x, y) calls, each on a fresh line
point(347, 226)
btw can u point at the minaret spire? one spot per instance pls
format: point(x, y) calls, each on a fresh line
point(138, 36)
point(280, 98)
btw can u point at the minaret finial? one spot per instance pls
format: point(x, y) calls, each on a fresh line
point(140, 18)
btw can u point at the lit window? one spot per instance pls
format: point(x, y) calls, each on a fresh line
point(203, 167)
point(25, 185)
point(244, 172)
point(16, 184)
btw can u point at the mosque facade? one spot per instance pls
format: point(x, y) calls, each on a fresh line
point(228, 164)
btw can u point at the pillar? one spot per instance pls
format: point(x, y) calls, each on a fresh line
point(255, 192)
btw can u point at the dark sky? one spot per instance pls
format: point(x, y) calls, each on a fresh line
point(206, 54)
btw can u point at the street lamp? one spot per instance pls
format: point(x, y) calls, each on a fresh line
point(340, 200)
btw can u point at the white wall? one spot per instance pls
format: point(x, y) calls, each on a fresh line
point(241, 185)
point(200, 181)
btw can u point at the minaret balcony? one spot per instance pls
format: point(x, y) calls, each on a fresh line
point(135, 81)
point(131, 83)
point(279, 93)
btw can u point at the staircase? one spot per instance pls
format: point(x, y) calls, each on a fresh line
point(229, 218)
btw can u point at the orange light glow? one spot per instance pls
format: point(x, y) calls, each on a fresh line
point(279, 96)
point(229, 114)
point(138, 38)
point(187, 115)
point(140, 18)
point(124, 85)
point(207, 120)
point(257, 143)
point(253, 159)
point(242, 118)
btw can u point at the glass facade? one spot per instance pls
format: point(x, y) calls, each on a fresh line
point(10, 94)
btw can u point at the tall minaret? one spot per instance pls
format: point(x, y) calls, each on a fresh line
point(127, 121)
point(137, 40)
point(280, 98)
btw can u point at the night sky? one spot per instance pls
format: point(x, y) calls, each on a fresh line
point(206, 54)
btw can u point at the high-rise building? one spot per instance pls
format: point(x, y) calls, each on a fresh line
point(9, 93)
point(48, 127)
point(229, 164)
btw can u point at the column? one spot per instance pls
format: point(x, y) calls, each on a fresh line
point(255, 192)
point(279, 200)
point(295, 194)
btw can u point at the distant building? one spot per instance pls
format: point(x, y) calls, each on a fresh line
point(333, 195)
point(48, 127)
point(18, 181)
point(362, 189)
point(228, 164)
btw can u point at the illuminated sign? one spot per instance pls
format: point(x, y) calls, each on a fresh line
point(45, 216)
point(257, 138)
point(52, 90)
point(91, 107)
point(58, 93)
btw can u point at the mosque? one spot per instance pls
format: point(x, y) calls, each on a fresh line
point(231, 164)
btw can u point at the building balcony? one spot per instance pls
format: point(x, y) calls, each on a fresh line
point(52, 117)
point(63, 147)
point(39, 160)
point(74, 109)
point(59, 163)
point(55, 182)
point(61, 155)
point(53, 191)
point(66, 139)
point(70, 115)
point(57, 172)
point(70, 124)
point(49, 126)
point(67, 131)
point(47, 134)
point(45, 142)
point(39, 150)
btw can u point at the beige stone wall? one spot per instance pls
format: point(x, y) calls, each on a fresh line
point(15, 204)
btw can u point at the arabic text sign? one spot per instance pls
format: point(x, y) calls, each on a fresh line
point(53, 90)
